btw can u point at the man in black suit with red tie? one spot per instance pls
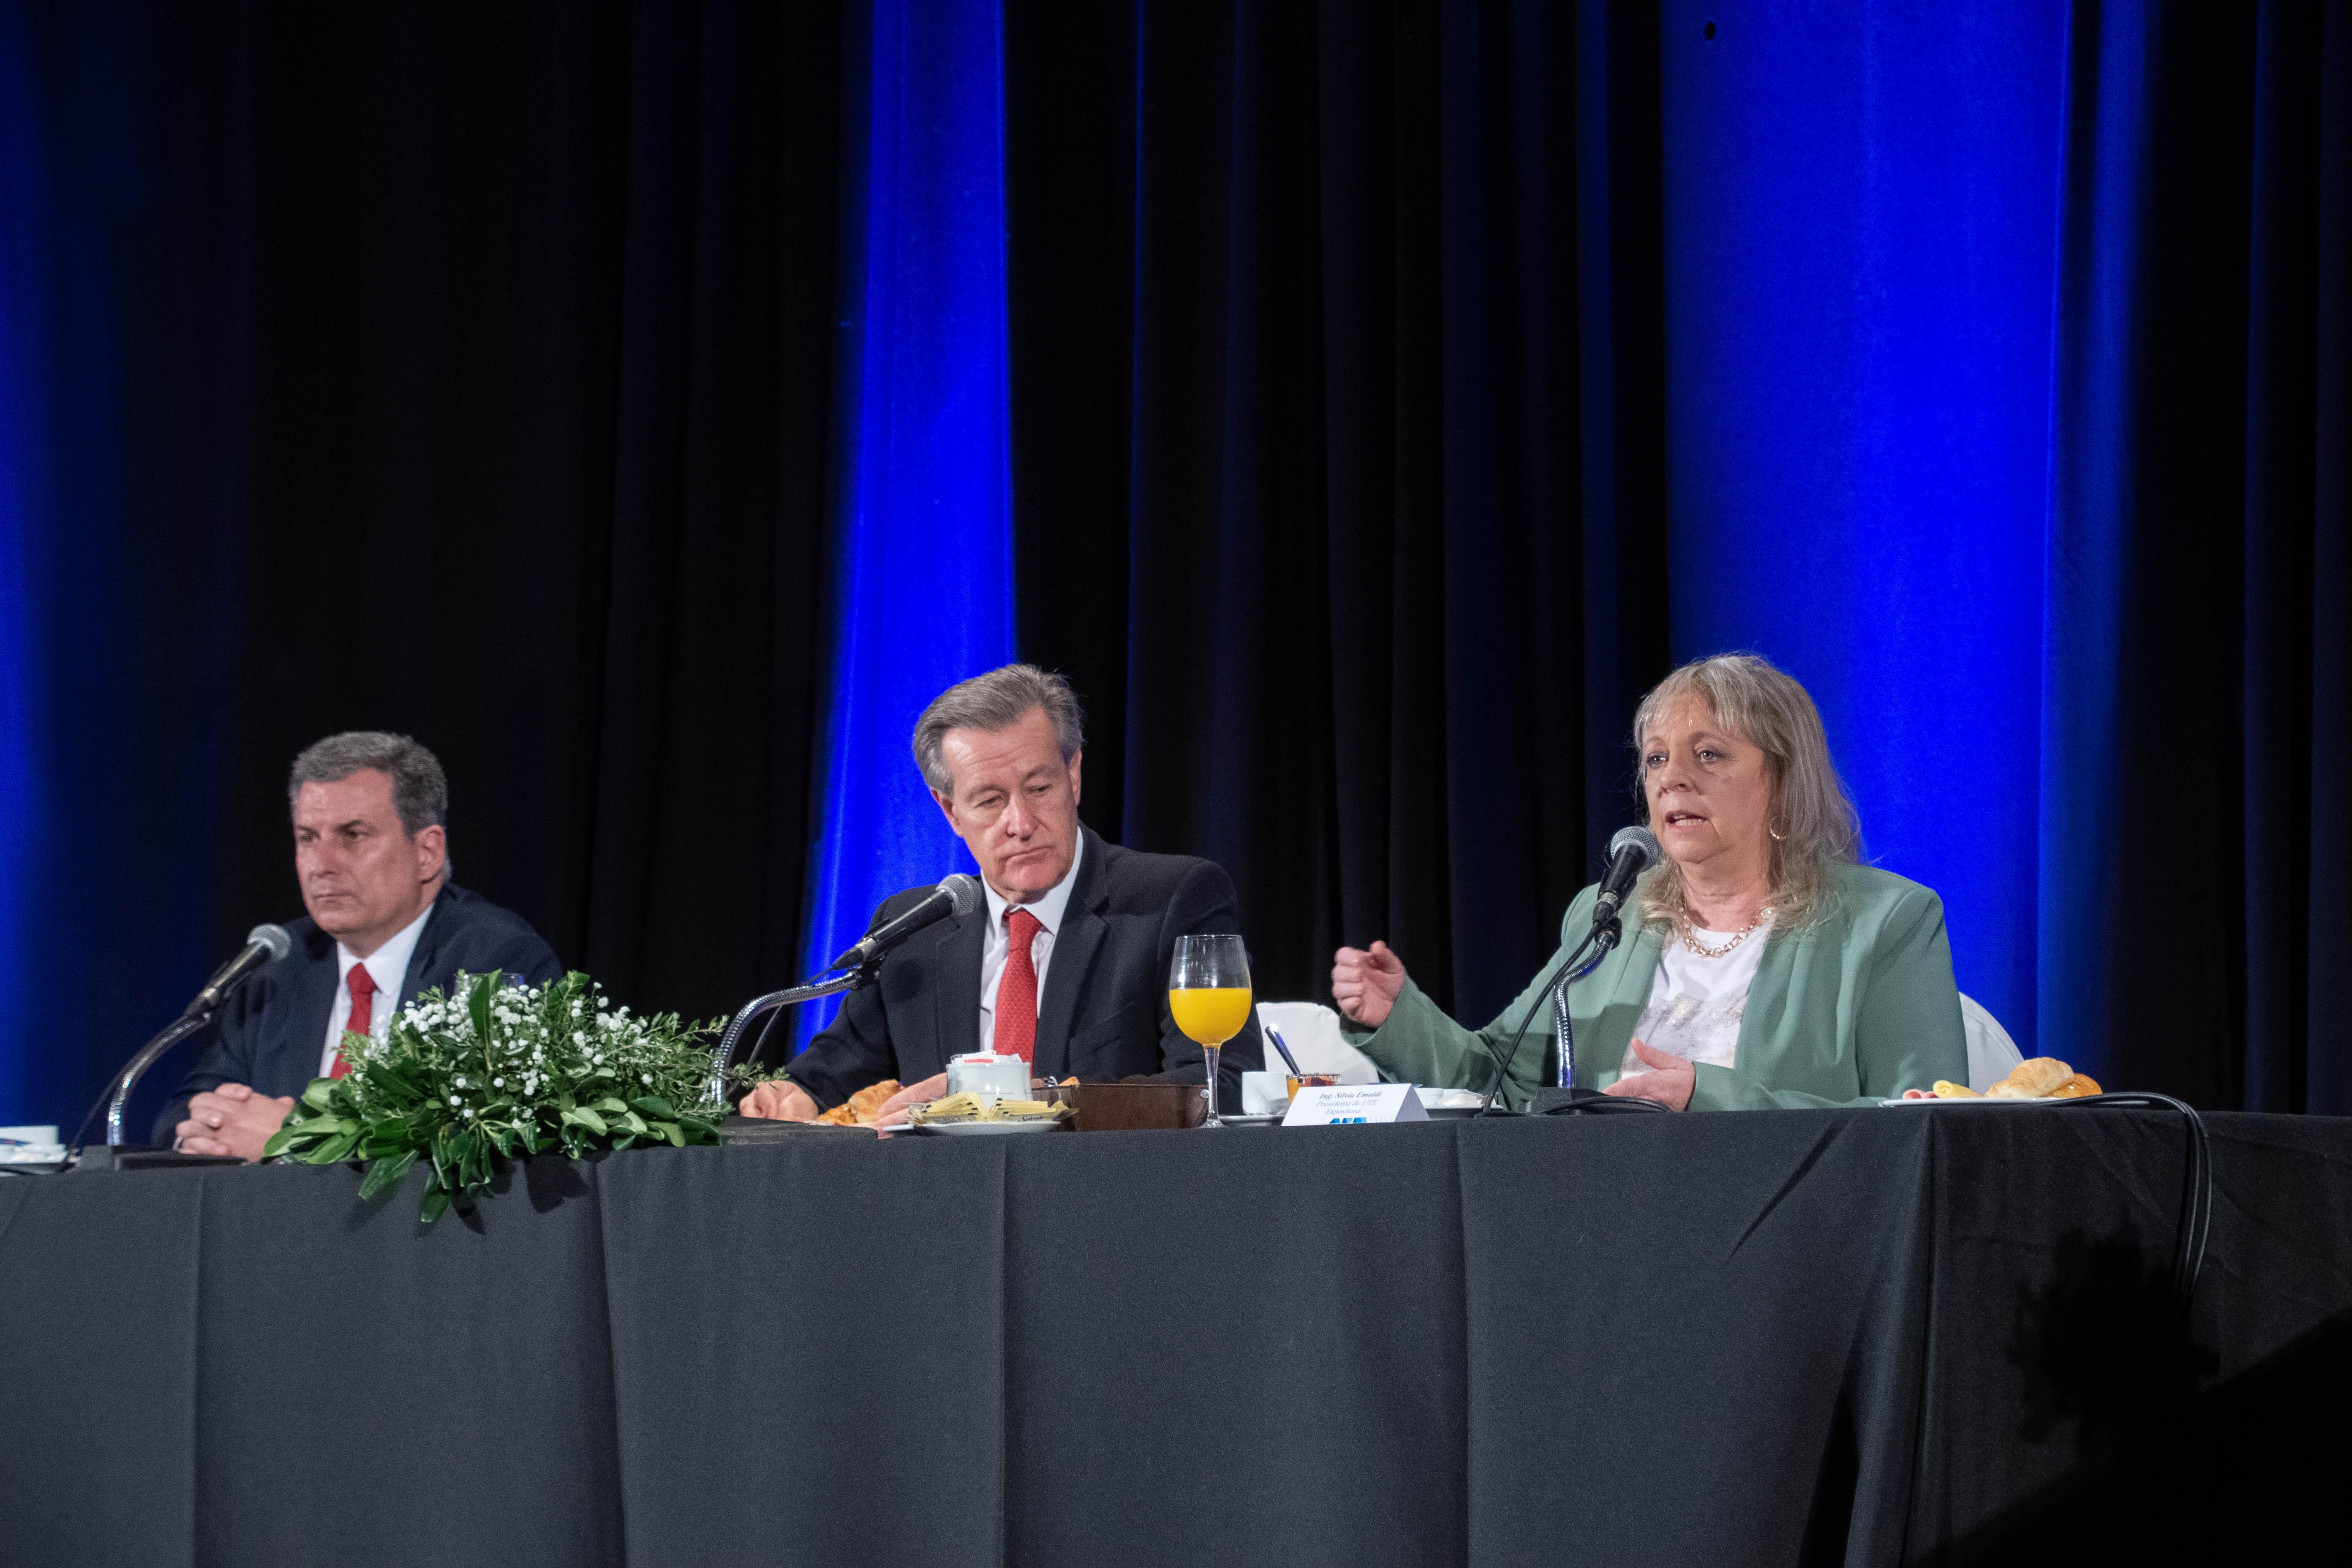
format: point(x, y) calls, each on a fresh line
point(371, 850)
point(1067, 963)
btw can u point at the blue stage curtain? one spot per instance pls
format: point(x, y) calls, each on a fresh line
point(24, 344)
point(119, 487)
point(922, 585)
point(1859, 253)
point(2083, 684)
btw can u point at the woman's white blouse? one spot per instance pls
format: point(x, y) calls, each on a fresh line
point(1695, 1003)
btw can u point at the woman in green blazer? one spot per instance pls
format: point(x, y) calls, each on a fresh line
point(1763, 966)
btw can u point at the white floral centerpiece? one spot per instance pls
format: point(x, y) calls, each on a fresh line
point(492, 1073)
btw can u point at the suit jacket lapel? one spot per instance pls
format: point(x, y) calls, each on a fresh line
point(304, 1041)
point(425, 957)
point(1074, 946)
point(956, 988)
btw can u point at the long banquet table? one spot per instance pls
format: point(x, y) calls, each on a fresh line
point(1871, 1337)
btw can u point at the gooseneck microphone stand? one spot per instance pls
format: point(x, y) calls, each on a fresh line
point(1563, 1095)
point(114, 1154)
point(263, 944)
point(180, 1029)
point(1564, 1098)
point(723, 1056)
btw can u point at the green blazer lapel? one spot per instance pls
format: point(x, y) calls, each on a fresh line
point(1762, 1037)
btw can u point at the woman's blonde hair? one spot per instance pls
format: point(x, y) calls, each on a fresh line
point(1810, 817)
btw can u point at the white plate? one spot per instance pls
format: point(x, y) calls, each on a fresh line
point(980, 1128)
point(1448, 1099)
point(1980, 1100)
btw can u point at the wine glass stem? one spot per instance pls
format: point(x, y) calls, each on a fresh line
point(1211, 1053)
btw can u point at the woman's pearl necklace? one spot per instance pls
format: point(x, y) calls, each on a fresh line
point(1690, 937)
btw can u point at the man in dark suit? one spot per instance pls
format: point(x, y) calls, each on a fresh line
point(1065, 963)
point(371, 850)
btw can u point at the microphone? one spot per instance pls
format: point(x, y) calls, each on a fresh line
point(264, 943)
point(1632, 852)
point(956, 895)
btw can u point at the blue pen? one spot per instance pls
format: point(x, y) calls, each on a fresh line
point(1292, 1062)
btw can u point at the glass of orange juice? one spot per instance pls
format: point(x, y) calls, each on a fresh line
point(1209, 996)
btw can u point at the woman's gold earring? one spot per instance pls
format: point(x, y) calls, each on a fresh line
point(1774, 831)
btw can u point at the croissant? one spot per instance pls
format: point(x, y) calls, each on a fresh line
point(2033, 1079)
point(861, 1109)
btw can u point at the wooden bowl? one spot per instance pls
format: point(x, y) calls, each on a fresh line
point(1131, 1107)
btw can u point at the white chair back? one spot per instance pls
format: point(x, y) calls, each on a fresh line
point(1312, 1032)
point(1991, 1053)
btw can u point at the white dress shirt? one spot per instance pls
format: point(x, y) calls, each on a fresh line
point(1048, 911)
point(388, 967)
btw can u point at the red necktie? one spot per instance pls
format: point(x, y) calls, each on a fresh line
point(1016, 993)
point(362, 1019)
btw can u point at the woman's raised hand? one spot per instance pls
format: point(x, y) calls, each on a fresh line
point(1365, 985)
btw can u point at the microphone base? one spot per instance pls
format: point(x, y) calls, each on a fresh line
point(1588, 1103)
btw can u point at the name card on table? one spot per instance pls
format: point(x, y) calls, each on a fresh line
point(1338, 1104)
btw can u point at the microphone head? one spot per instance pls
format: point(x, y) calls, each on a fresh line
point(964, 889)
point(272, 937)
point(1637, 838)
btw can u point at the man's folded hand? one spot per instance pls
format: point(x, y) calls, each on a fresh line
point(232, 1120)
point(780, 1100)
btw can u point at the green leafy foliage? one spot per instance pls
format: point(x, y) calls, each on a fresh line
point(491, 1073)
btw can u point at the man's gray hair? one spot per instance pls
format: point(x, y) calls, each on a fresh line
point(420, 791)
point(997, 700)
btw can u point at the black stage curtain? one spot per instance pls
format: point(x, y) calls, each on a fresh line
point(505, 337)
point(2205, 290)
point(1338, 451)
point(2297, 636)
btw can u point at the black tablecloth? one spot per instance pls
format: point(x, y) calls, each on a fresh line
point(1899, 1335)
